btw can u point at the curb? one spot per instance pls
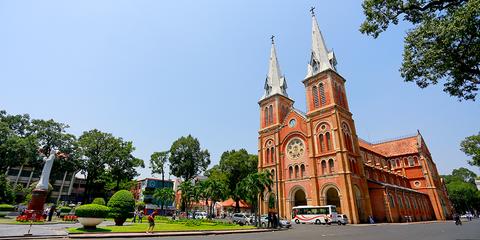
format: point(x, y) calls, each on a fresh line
point(34, 237)
point(166, 234)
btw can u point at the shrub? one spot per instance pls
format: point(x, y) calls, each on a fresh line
point(99, 201)
point(92, 211)
point(65, 209)
point(122, 206)
point(6, 208)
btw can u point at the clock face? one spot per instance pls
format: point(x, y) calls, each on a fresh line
point(292, 123)
point(295, 148)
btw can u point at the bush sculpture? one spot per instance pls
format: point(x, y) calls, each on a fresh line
point(122, 206)
point(99, 201)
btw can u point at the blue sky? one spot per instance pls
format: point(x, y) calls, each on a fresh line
point(152, 71)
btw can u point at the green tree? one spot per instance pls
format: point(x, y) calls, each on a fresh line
point(188, 194)
point(442, 45)
point(157, 163)
point(471, 147)
point(7, 194)
point(187, 159)
point(253, 187)
point(464, 175)
point(464, 196)
point(235, 165)
point(217, 190)
point(164, 196)
point(122, 163)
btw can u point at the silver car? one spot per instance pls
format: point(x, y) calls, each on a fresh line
point(241, 218)
point(342, 219)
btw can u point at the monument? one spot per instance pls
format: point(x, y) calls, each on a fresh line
point(39, 194)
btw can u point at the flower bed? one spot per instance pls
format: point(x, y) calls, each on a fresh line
point(24, 218)
point(70, 218)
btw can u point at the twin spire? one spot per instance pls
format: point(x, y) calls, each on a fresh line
point(321, 59)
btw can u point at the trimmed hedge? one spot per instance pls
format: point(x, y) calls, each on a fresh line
point(65, 209)
point(99, 201)
point(6, 208)
point(122, 206)
point(92, 211)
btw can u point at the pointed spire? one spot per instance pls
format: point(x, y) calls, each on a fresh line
point(321, 59)
point(275, 83)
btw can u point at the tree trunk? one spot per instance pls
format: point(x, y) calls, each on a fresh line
point(163, 186)
point(237, 207)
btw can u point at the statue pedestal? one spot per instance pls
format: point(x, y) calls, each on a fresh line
point(35, 206)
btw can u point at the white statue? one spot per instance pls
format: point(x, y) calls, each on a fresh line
point(47, 168)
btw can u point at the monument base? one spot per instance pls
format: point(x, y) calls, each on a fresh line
point(35, 206)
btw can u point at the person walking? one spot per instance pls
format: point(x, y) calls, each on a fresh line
point(140, 216)
point(269, 220)
point(135, 214)
point(151, 221)
point(275, 220)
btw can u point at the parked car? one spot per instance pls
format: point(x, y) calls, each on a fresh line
point(201, 215)
point(241, 218)
point(284, 223)
point(342, 219)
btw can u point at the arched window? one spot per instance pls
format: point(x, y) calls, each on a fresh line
point(405, 162)
point(296, 171)
point(273, 174)
point(400, 202)
point(267, 158)
point(411, 163)
point(352, 166)
point(290, 172)
point(347, 137)
point(270, 113)
point(407, 202)
point(331, 166)
point(265, 116)
point(329, 141)
point(323, 99)
point(315, 96)
point(389, 165)
point(324, 167)
point(272, 153)
point(302, 171)
point(321, 142)
point(392, 203)
point(415, 159)
point(398, 162)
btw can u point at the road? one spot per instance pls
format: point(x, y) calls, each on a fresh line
point(424, 231)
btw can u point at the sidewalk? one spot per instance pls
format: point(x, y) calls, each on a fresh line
point(402, 223)
point(165, 234)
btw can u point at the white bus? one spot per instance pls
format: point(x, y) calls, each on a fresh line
point(314, 214)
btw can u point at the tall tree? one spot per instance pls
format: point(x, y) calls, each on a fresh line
point(471, 147)
point(253, 187)
point(236, 165)
point(157, 163)
point(164, 196)
point(187, 192)
point(122, 163)
point(187, 159)
point(443, 44)
point(464, 175)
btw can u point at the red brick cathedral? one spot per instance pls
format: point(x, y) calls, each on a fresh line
point(318, 159)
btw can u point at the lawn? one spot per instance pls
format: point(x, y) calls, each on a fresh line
point(162, 227)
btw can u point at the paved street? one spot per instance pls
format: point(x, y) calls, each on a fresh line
point(433, 231)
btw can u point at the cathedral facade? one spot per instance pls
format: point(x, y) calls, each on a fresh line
point(316, 157)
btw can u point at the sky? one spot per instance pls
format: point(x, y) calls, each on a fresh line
point(153, 71)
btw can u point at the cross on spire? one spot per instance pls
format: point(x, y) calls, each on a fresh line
point(272, 38)
point(312, 11)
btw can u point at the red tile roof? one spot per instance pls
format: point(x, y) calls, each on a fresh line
point(231, 203)
point(393, 148)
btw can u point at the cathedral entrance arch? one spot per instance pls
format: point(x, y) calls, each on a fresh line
point(299, 198)
point(333, 198)
point(359, 203)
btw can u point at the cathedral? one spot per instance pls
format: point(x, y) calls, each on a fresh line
point(316, 158)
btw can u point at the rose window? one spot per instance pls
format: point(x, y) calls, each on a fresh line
point(295, 148)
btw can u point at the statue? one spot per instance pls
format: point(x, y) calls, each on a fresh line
point(47, 168)
point(39, 194)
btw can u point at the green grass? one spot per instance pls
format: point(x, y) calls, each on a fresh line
point(160, 227)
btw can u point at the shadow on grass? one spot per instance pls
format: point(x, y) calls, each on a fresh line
point(89, 230)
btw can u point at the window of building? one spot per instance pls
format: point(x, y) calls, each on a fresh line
point(400, 202)
point(392, 203)
point(411, 163)
point(270, 113)
point(267, 158)
point(315, 96)
point(296, 171)
point(321, 142)
point(290, 172)
point(324, 167)
point(329, 141)
point(415, 159)
point(323, 99)
point(272, 153)
point(417, 183)
point(302, 171)
point(265, 116)
point(331, 166)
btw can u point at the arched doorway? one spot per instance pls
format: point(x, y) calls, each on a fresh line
point(359, 203)
point(333, 198)
point(300, 198)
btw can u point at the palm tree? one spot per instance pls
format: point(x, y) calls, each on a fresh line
point(164, 196)
point(187, 190)
point(252, 186)
point(218, 191)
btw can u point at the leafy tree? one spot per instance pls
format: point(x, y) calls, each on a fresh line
point(465, 175)
point(464, 196)
point(157, 163)
point(253, 187)
point(187, 160)
point(471, 147)
point(235, 165)
point(164, 196)
point(187, 190)
point(216, 190)
point(122, 164)
point(7, 194)
point(443, 44)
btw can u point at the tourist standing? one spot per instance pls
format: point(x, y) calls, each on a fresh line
point(135, 214)
point(140, 216)
point(275, 220)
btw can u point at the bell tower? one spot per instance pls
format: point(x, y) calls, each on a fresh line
point(275, 103)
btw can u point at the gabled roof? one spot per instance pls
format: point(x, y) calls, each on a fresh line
point(398, 147)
